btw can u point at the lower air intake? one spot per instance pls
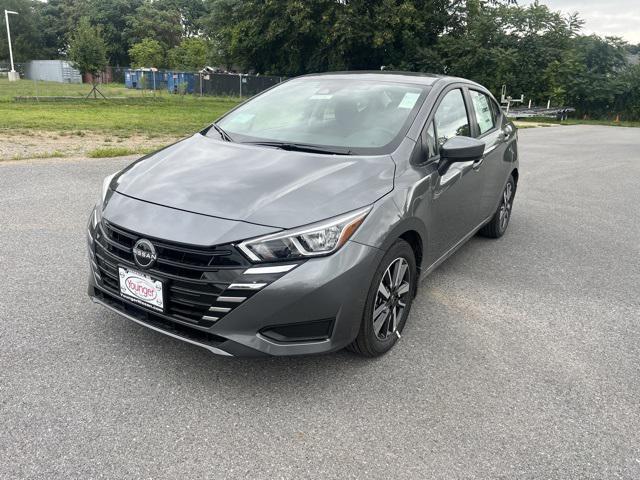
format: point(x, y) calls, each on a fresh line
point(300, 332)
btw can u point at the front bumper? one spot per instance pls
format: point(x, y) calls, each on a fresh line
point(316, 307)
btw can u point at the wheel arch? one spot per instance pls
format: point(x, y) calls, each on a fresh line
point(516, 175)
point(415, 241)
point(387, 224)
point(413, 231)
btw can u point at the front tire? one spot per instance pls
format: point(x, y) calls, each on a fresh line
point(388, 302)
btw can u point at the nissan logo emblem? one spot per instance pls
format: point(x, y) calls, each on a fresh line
point(144, 253)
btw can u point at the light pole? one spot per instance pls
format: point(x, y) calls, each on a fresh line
point(13, 75)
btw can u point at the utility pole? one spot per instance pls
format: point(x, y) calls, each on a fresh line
point(13, 75)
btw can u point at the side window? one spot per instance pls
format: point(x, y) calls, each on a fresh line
point(429, 139)
point(485, 113)
point(451, 117)
point(497, 111)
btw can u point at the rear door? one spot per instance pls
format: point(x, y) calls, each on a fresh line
point(487, 126)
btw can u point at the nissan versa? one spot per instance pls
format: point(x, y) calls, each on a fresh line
point(301, 221)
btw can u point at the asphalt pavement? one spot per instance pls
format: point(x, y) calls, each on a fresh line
point(520, 359)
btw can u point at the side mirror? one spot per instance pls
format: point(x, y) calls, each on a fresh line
point(462, 149)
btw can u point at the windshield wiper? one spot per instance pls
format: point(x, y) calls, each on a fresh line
point(302, 147)
point(225, 136)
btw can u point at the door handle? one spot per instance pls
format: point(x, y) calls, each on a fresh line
point(487, 151)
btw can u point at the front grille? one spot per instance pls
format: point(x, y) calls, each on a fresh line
point(173, 259)
point(194, 277)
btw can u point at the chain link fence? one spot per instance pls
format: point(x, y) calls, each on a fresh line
point(6, 66)
point(203, 84)
point(117, 82)
point(241, 85)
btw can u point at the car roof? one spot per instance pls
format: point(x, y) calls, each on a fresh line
point(391, 76)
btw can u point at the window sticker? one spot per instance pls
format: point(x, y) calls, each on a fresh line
point(409, 100)
point(483, 112)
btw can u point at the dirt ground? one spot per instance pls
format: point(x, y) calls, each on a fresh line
point(527, 124)
point(44, 144)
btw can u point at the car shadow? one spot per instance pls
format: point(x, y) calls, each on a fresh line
point(165, 356)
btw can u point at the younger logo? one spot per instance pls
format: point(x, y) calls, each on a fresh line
point(141, 288)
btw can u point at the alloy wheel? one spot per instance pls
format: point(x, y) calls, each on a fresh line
point(505, 206)
point(391, 300)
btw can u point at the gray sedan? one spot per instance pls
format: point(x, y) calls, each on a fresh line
point(301, 221)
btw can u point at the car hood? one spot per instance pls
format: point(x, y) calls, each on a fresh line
point(260, 185)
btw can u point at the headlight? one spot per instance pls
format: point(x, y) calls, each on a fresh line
point(322, 238)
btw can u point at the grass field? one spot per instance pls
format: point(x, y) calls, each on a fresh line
point(134, 113)
point(576, 121)
point(29, 88)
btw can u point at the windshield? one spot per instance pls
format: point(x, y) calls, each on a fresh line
point(363, 116)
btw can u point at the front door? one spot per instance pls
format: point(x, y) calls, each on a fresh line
point(457, 189)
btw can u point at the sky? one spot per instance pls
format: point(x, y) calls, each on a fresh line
point(620, 18)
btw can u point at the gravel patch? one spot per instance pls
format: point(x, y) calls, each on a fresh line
point(45, 144)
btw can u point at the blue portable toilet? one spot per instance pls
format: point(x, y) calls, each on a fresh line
point(150, 79)
point(176, 81)
point(129, 78)
point(135, 79)
point(143, 79)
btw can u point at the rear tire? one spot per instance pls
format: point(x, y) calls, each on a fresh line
point(500, 220)
point(388, 302)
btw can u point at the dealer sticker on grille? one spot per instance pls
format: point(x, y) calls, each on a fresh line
point(141, 288)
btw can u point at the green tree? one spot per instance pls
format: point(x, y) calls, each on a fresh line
point(191, 54)
point(628, 99)
point(147, 53)
point(507, 45)
point(190, 11)
point(588, 74)
point(112, 16)
point(55, 26)
point(87, 50)
point(152, 21)
point(296, 36)
point(26, 38)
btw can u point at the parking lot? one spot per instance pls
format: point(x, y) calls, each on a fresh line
point(520, 359)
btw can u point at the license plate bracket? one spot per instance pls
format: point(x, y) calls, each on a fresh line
point(141, 288)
